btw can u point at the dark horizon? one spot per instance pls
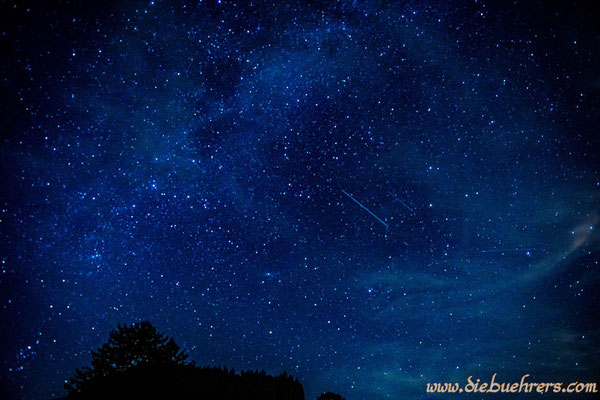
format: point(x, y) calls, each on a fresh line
point(370, 196)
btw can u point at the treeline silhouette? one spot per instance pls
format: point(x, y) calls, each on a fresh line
point(139, 363)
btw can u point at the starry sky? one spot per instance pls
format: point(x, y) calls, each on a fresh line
point(367, 195)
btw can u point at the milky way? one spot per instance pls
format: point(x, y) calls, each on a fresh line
point(368, 196)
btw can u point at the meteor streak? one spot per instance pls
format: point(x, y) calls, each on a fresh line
point(365, 208)
point(401, 202)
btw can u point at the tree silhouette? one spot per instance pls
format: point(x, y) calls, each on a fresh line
point(140, 363)
point(330, 396)
point(138, 345)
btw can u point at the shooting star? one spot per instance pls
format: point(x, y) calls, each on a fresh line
point(401, 202)
point(365, 208)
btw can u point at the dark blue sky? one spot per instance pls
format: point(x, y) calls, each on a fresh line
point(194, 164)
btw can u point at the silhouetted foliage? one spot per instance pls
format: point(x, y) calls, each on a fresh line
point(139, 345)
point(330, 396)
point(139, 363)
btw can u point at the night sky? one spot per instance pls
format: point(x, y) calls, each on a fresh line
point(369, 196)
